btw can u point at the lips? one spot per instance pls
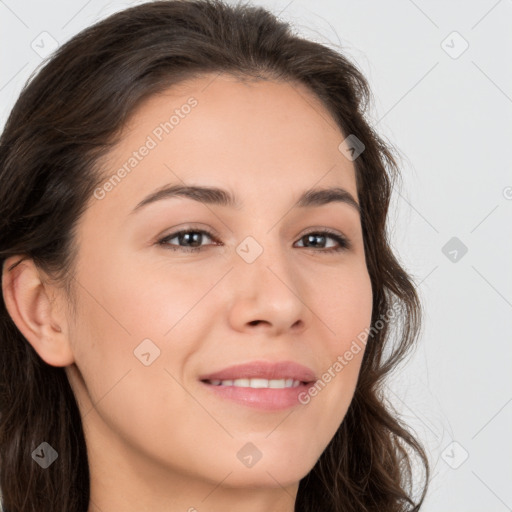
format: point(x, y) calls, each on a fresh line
point(264, 370)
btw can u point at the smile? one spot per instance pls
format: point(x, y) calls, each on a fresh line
point(256, 383)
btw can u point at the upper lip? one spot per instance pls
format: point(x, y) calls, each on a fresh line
point(264, 370)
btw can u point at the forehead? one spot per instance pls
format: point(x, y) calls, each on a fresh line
point(254, 137)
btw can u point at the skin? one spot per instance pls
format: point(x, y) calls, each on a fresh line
point(156, 439)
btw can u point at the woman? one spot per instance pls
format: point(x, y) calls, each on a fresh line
point(198, 291)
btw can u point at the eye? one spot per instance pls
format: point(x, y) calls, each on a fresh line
point(320, 237)
point(194, 237)
point(183, 236)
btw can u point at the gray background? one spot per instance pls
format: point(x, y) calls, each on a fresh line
point(449, 114)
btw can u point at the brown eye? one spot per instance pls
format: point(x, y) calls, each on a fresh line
point(186, 236)
point(317, 238)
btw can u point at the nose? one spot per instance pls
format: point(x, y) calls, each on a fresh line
point(269, 296)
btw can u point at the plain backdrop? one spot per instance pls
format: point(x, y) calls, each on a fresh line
point(441, 77)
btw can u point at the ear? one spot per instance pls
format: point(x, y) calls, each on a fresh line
point(36, 308)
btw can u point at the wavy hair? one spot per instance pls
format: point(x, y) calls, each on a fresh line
point(68, 115)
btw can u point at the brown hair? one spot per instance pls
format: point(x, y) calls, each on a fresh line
point(66, 118)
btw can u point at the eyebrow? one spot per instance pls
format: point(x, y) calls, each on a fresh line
point(217, 196)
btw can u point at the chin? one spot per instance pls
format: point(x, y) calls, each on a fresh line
point(276, 470)
point(269, 477)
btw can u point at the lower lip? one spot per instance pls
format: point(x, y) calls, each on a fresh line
point(266, 399)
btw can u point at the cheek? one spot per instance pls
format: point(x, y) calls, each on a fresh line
point(129, 365)
point(132, 302)
point(139, 319)
point(346, 310)
point(345, 303)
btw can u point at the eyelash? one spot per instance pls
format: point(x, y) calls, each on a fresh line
point(344, 243)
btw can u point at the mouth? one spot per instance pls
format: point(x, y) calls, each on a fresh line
point(260, 385)
point(258, 374)
point(257, 383)
point(261, 394)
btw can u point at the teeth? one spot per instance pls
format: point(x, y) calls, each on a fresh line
point(258, 383)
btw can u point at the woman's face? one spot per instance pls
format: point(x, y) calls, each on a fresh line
point(155, 318)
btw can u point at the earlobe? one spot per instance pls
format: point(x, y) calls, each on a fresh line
point(31, 305)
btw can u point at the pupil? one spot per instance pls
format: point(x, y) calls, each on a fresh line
point(196, 238)
point(314, 238)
